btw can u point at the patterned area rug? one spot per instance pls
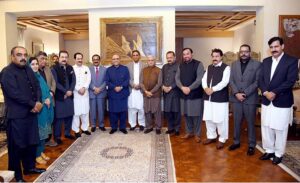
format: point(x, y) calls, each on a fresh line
point(291, 158)
point(3, 142)
point(101, 157)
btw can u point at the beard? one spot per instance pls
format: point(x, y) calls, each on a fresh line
point(244, 59)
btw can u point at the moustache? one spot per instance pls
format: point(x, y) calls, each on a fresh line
point(215, 60)
point(23, 60)
point(274, 51)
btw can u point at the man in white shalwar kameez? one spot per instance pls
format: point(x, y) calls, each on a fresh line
point(81, 96)
point(135, 99)
point(215, 84)
point(278, 75)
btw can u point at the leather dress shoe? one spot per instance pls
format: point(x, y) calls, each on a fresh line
point(102, 128)
point(132, 128)
point(148, 130)
point(209, 141)
point(112, 131)
point(158, 131)
point(93, 129)
point(70, 137)
point(142, 128)
point(251, 151)
point(234, 147)
point(170, 131)
point(177, 133)
point(77, 135)
point(34, 171)
point(58, 141)
point(123, 131)
point(220, 145)
point(267, 156)
point(187, 136)
point(276, 160)
point(86, 132)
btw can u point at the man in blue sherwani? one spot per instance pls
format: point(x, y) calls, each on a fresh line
point(97, 92)
point(22, 95)
point(65, 79)
point(117, 80)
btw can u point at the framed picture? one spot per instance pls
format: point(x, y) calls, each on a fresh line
point(36, 47)
point(289, 30)
point(123, 35)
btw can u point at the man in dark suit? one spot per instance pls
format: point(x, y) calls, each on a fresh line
point(117, 79)
point(64, 76)
point(278, 76)
point(97, 92)
point(22, 96)
point(244, 77)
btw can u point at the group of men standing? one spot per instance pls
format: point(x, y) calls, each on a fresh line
point(136, 90)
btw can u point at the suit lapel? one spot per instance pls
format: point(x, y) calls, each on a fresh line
point(280, 64)
point(239, 70)
point(248, 67)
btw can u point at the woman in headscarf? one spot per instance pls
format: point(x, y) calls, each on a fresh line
point(45, 116)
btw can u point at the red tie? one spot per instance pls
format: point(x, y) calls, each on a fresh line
point(97, 73)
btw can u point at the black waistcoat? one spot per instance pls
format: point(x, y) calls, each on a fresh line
point(61, 78)
point(215, 76)
point(188, 74)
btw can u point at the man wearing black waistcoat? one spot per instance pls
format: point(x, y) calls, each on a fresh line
point(188, 80)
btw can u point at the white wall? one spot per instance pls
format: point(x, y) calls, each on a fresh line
point(50, 39)
point(202, 47)
point(168, 15)
point(268, 18)
point(73, 46)
point(244, 35)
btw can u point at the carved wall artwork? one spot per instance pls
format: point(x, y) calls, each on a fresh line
point(122, 35)
point(289, 30)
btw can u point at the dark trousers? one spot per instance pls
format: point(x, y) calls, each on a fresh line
point(174, 119)
point(248, 111)
point(193, 125)
point(157, 120)
point(57, 126)
point(16, 155)
point(114, 118)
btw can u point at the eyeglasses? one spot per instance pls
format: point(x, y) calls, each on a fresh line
point(244, 51)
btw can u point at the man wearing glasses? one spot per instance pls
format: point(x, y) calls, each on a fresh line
point(244, 96)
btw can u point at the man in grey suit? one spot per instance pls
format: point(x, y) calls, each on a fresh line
point(135, 99)
point(244, 96)
point(97, 92)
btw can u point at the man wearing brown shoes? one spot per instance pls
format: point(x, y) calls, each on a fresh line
point(188, 80)
point(215, 84)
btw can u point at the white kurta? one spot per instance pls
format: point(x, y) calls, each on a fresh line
point(135, 99)
point(83, 79)
point(216, 111)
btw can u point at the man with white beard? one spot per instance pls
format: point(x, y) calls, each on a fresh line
point(81, 96)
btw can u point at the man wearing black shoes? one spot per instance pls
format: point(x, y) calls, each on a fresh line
point(244, 77)
point(171, 94)
point(117, 80)
point(22, 95)
point(64, 76)
point(278, 76)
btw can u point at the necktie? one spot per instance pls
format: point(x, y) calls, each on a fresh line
point(97, 73)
